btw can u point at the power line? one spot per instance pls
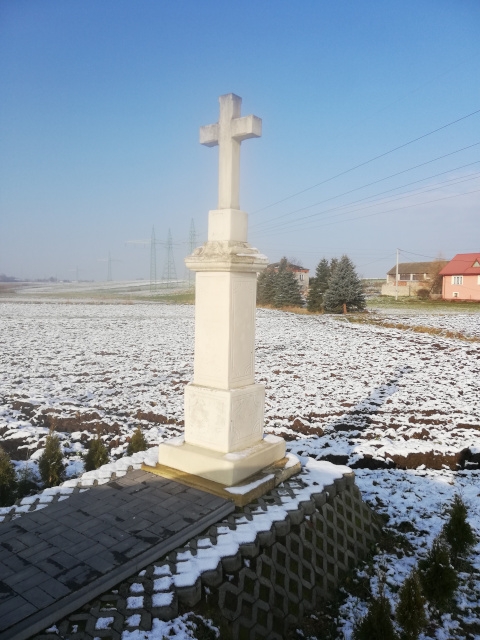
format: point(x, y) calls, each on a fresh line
point(408, 206)
point(419, 254)
point(456, 180)
point(362, 164)
point(369, 184)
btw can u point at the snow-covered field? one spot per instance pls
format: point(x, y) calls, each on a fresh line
point(466, 323)
point(402, 408)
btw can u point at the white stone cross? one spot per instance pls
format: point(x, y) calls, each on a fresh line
point(228, 133)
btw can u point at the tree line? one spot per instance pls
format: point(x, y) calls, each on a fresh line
point(335, 288)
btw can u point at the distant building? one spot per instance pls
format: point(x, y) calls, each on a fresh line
point(301, 274)
point(461, 277)
point(412, 276)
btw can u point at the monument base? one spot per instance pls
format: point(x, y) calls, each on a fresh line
point(226, 469)
point(242, 493)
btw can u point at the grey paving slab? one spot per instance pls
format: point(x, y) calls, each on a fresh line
point(55, 560)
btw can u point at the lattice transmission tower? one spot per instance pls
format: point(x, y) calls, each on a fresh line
point(192, 241)
point(169, 271)
point(153, 262)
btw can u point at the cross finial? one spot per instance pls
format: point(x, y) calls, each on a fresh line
point(228, 133)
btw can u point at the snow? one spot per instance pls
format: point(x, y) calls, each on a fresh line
point(358, 394)
point(103, 623)
point(245, 488)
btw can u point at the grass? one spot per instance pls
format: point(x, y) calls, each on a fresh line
point(101, 296)
point(389, 302)
point(433, 331)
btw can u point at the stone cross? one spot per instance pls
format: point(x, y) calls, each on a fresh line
point(228, 133)
point(224, 407)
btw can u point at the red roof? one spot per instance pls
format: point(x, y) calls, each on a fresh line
point(462, 265)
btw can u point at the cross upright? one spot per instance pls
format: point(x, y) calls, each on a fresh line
point(228, 133)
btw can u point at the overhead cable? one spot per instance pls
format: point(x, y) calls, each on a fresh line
point(362, 164)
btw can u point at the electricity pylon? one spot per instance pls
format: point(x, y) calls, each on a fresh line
point(153, 257)
point(169, 271)
point(192, 244)
point(153, 262)
point(109, 261)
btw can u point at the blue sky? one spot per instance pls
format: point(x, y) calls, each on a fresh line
point(102, 101)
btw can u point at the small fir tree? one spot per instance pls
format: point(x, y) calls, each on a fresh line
point(137, 443)
point(345, 292)
point(457, 532)
point(266, 285)
point(26, 484)
point(287, 290)
point(8, 480)
point(437, 576)
point(50, 464)
point(410, 610)
point(377, 623)
point(96, 455)
point(318, 286)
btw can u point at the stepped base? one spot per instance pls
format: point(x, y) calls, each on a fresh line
point(226, 469)
point(242, 493)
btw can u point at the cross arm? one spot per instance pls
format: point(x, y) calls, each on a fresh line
point(209, 135)
point(246, 127)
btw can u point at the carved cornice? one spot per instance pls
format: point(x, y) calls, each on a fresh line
point(226, 256)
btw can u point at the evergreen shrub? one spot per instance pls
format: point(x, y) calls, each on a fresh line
point(410, 610)
point(437, 576)
point(96, 455)
point(8, 480)
point(377, 623)
point(50, 464)
point(457, 532)
point(137, 443)
point(26, 484)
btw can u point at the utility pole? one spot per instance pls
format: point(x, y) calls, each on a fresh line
point(396, 278)
point(169, 272)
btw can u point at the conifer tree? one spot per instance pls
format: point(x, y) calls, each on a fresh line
point(96, 455)
point(50, 464)
point(8, 480)
point(287, 290)
point(437, 576)
point(318, 286)
point(25, 482)
point(345, 291)
point(137, 443)
point(266, 285)
point(377, 623)
point(410, 610)
point(333, 265)
point(458, 533)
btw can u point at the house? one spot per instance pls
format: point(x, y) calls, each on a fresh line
point(412, 276)
point(301, 274)
point(461, 277)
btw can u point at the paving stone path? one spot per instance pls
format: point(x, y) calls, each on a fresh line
point(55, 560)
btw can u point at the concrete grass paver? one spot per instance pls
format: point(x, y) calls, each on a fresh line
point(55, 560)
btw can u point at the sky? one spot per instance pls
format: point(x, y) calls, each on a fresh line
point(370, 142)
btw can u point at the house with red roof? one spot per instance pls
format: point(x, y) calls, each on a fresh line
point(461, 277)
